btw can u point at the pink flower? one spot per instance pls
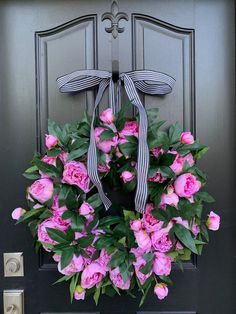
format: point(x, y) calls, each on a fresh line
point(17, 213)
point(62, 224)
point(150, 223)
point(186, 185)
point(75, 266)
point(181, 221)
point(42, 232)
point(161, 290)
point(106, 145)
point(41, 190)
point(186, 138)
point(79, 293)
point(75, 173)
point(117, 280)
point(171, 199)
point(138, 265)
point(213, 221)
point(157, 178)
point(127, 176)
point(178, 163)
point(56, 207)
point(104, 259)
point(106, 167)
point(157, 151)
point(162, 264)
point(136, 225)
point(86, 210)
point(107, 116)
point(143, 240)
point(179, 246)
point(56, 257)
point(51, 141)
point(161, 241)
point(92, 275)
point(130, 129)
point(195, 229)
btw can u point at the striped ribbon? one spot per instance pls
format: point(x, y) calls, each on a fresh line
point(148, 82)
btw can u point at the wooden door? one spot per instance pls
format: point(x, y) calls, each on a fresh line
point(193, 41)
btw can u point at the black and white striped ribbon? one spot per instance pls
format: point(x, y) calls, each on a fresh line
point(148, 82)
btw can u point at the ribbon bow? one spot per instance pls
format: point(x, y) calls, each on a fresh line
point(149, 82)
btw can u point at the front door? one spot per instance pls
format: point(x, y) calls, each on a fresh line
point(194, 42)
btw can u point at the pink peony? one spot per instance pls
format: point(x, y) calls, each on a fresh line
point(178, 163)
point(161, 290)
point(130, 129)
point(213, 221)
point(186, 185)
point(56, 257)
point(51, 141)
point(106, 167)
point(179, 246)
point(92, 275)
point(75, 173)
point(41, 190)
point(127, 176)
point(181, 221)
point(17, 213)
point(157, 151)
point(117, 280)
point(171, 199)
point(162, 264)
point(86, 210)
point(161, 241)
point(157, 178)
point(79, 293)
point(75, 266)
point(106, 145)
point(143, 240)
point(104, 259)
point(186, 138)
point(195, 229)
point(136, 225)
point(150, 223)
point(107, 116)
point(42, 232)
point(138, 265)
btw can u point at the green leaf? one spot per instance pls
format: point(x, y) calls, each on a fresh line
point(47, 169)
point(78, 152)
point(77, 222)
point(66, 257)
point(201, 153)
point(57, 235)
point(32, 175)
point(125, 274)
point(64, 278)
point(117, 259)
point(185, 255)
point(31, 169)
point(86, 241)
point(145, 294)
point(46, 214)
point(94, 200)
point(31, 213)
point(128, 148)
point(152, 114)
point(97, 295)
point(166, 159)
point(129, 215)
point(107, 134)
point(73, 285)
point(163, 140)
point(132, 139)
point(103, 242)
point(167, 172)
point(204, 232)
point(160, 214)
point(53, 152)
point(166, 279)
point(205, 197)
point(109, 220)
point(174, 133)
point(54, 129)
point(184, 235)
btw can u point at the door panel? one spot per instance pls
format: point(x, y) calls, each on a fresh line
point(193, 41)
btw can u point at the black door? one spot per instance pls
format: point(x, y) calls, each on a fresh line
point(193, 41)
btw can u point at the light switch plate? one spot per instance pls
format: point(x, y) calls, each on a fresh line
point(13, 264)
point(13, 301)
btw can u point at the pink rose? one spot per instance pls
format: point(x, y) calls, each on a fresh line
point(86, 210)
point(161, 241)
point(161, 290)
point(41, 190)
point(107, 116)
point(162, 264)
point(171, 199)
point(178, 163)
point(150, 223)
point(143, 240)
point(186, 185)
point(136, 225)
point(92, 275)
point(127, 176)
point(138, 265)
point(213, 221)
point(195, 229)
point(75, 173)
point(17, 213)
point(106, 145)
point(75, 266)
point(51, 141)
point(79, 293)
point(186, 138)
point(117, 280)
point(130, 129)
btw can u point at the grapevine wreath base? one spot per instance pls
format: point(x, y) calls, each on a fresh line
point(108, 252)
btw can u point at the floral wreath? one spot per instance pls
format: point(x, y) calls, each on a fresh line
point(102, 252)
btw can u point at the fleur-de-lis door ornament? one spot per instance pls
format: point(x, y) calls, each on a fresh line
point(115, 16)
